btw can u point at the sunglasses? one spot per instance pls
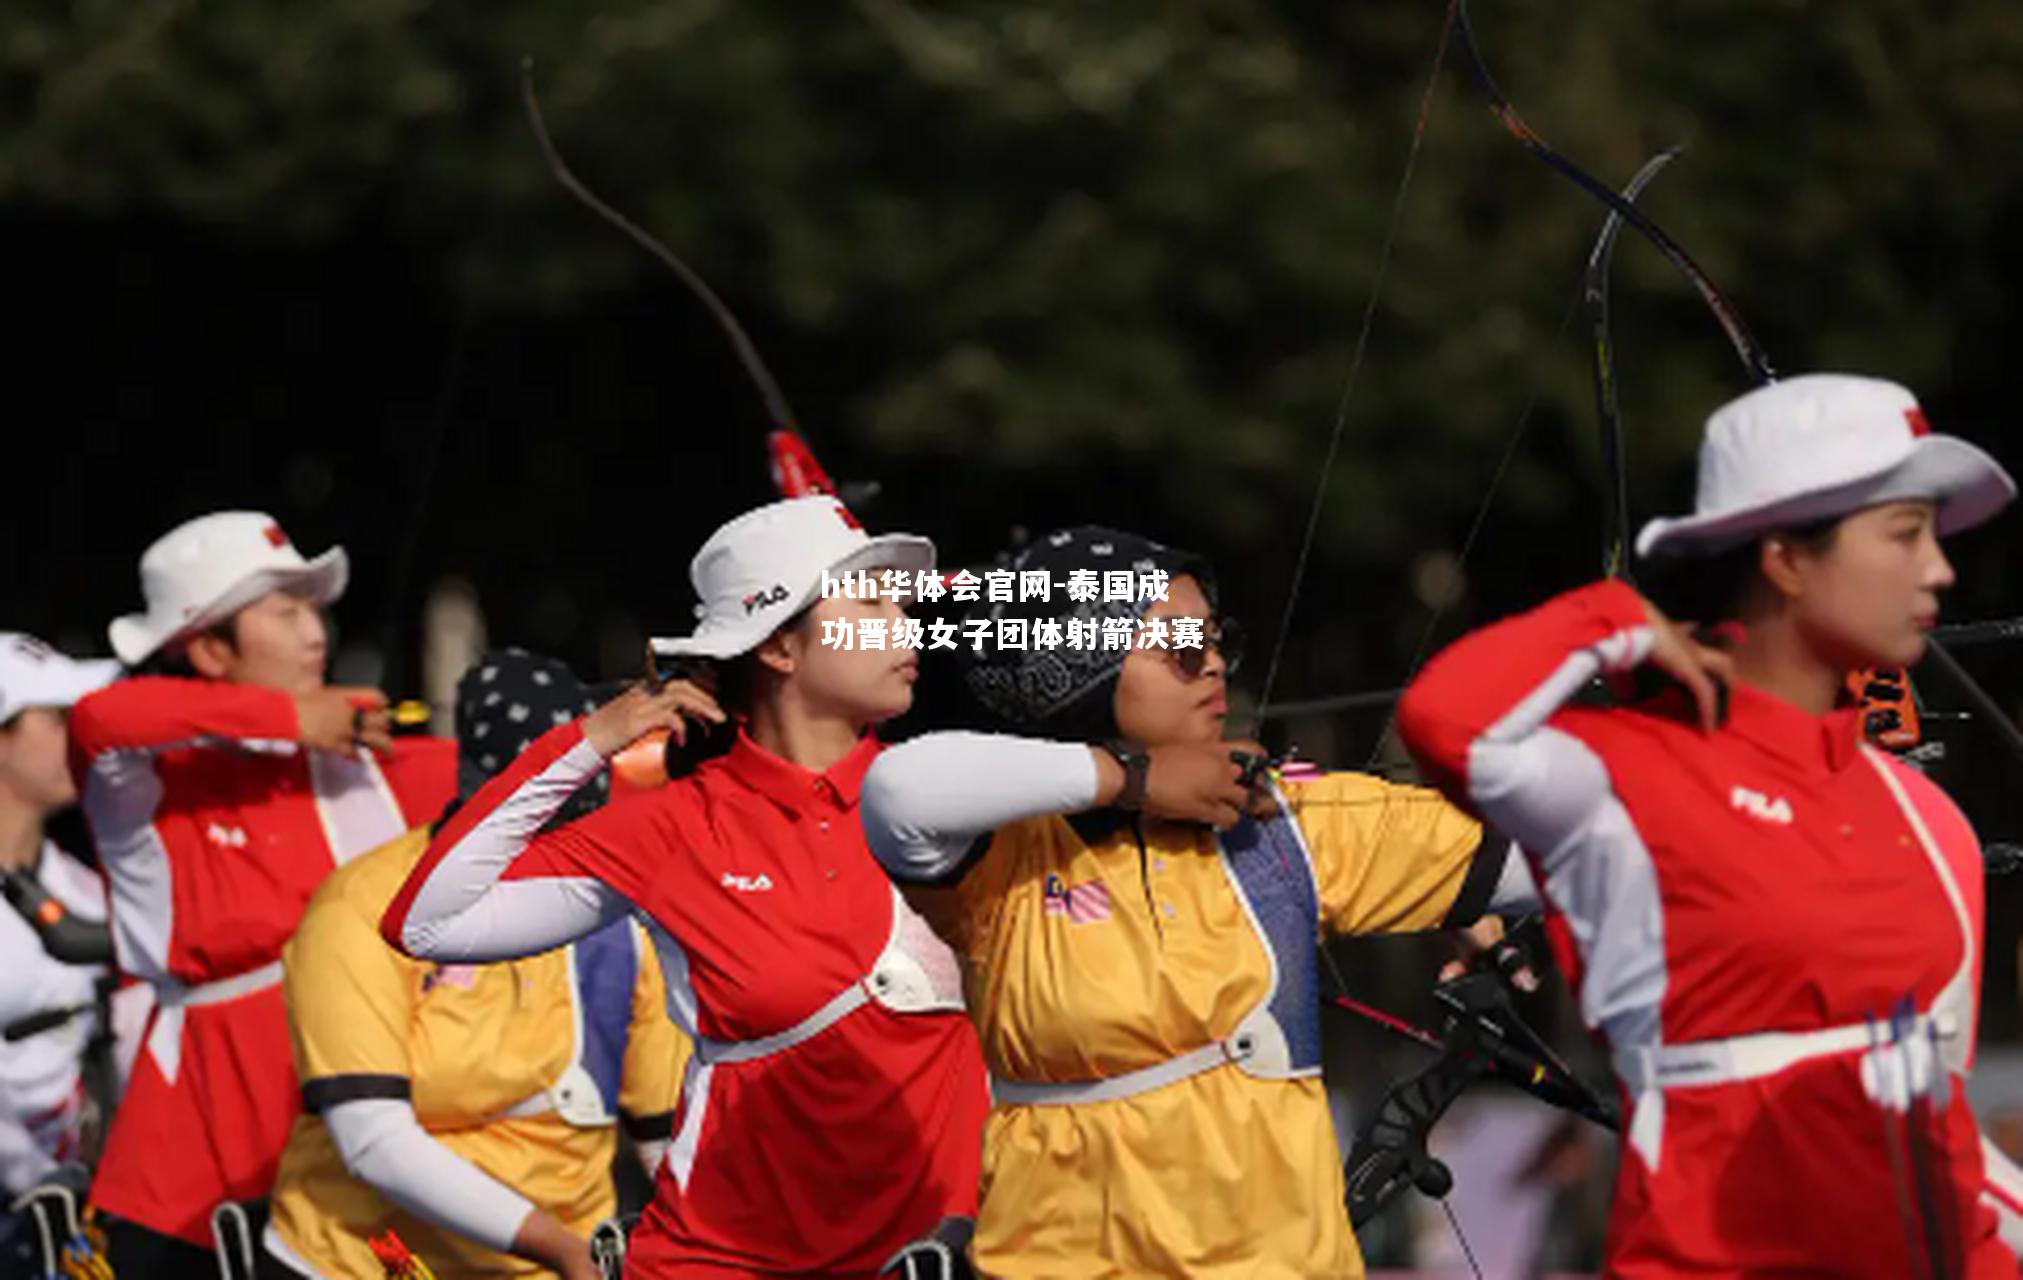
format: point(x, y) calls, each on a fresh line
point(1224, 635)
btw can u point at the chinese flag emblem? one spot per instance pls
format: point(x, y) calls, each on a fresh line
point(1916, 417)
point(275, 537)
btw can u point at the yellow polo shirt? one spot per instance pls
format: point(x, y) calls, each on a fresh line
point(473, 1041)
point(1144, 952)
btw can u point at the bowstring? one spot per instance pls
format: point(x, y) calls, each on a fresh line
point(1593, 292)
point(1335, 435)
point(1319, 504)
point(1356, 358)
point(1341, 419)
point(1456, 581)
point(1467, 1250)
point(1477, 523)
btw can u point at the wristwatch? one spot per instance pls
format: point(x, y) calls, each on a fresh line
point(1137, 764)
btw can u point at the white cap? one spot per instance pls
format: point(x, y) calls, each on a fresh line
point(766, 566)
point(1817, 447)
point(207, 569)
point(34, 675)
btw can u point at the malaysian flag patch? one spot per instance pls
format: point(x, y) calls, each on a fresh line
point(1080, 903)
point(464, 976)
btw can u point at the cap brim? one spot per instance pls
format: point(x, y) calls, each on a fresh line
point(709, 642)
point(1968, 485)
point(61, 682)
point(133, 639)
point(138, 636)
point(1975, 486)
point(87, 677)
point(905, 552)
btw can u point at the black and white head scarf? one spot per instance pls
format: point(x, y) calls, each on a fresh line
point(507, 700)
point(1064, 692)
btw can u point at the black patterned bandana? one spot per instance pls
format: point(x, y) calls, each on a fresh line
point(1066, 692)
point(507, 700)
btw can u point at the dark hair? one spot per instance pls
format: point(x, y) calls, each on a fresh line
point(174, 659)
point(734, 682)
point(1715, 589)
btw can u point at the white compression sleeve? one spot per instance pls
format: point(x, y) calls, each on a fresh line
point(925, 802)
point(384, 1145)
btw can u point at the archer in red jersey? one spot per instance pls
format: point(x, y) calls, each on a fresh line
point(220, 790)
point(1776, 927)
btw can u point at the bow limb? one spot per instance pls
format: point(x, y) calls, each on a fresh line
point(795, 472)
point(1747, 349)
point(1485, 1037)
point(1608, 413)
point(1754, 359)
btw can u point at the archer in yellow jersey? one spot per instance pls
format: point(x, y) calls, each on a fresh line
point(472, 1109)
point(1138, 938)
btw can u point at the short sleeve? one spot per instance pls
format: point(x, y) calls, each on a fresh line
point(962, 910)
point(349, 997)
point(1388, 858)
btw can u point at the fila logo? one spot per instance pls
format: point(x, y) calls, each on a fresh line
point(29, 649)
point(1761, 807)
point(232, 837)
point(759, 883)
point(760, 599)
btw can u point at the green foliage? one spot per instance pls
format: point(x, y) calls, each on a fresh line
point(1032, 235)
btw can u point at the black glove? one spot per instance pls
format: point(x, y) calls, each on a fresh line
point(941, 1254)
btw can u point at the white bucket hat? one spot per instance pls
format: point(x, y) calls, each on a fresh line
point(767, 565)
point(1823, 445)
point(34, 675)
point(207, 569)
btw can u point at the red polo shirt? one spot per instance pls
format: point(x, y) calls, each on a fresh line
point(753, 877)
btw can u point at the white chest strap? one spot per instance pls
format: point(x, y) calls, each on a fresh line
point(1257, 1045)
point(915, 973)
point(1891, 1068)
point(165, 1038)
point(1649, 1071)
point(1955, 1004)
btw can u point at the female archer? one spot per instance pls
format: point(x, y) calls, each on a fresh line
point(830, 1114)
point(1138, 926)
point(1775, 926)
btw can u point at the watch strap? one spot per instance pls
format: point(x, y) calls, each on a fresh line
point(1137, 766)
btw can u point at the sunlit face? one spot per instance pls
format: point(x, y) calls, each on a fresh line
point(32, 761)
point(278, 641)
point(1156, 702)
point(1868, 598)
point(864, 686)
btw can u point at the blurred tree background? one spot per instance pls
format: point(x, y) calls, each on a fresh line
point(1024, 264)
